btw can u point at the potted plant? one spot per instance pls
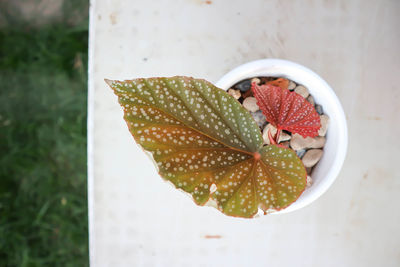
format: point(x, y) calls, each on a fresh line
point(335, 148)
point(205, 143)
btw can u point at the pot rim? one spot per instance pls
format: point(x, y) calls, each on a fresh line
point(322, 92)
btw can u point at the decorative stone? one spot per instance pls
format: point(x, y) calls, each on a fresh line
point(235, 93)
point(318, 142)
point(301, 90)
point(255, 80)
point(243, 85)
point(272, 129)
point(284, 137)
point(311, 157)
point(309, 181)
point(264, 80)
point(285, 144)
point(298, 142)
point(292, 85)
point(259, 118)
point(250, 103)
point(324, 125)
point(247, 94)
point(310, 99)
point(300, 153)
point(319, 109)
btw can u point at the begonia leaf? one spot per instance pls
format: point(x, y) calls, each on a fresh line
point(287, 110)
point(208, 145)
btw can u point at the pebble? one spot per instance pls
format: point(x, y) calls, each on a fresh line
point(285, 144)
point(259, 118)
point(268, 127)
point(324, 125)
point(301, 90)
point(292, 85)
point(235, 93)
point(311, 157)
point(319, 109)
point(250, 104)
point(309, 181)
point(284, 137)
point(247, 94)
point(255, 80)
point(243, 85)
point(310, 99)
point(300, 153)
point(298, 142)
point(264, 80)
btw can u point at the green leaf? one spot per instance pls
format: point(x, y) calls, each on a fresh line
point(208, 145)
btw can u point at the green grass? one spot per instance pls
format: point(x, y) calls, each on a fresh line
point(43, 94)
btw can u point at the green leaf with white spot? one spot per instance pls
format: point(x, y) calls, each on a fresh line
point(208, 145)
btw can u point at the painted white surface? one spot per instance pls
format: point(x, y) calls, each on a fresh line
point(138, 220)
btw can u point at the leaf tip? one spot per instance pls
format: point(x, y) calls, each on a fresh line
point(109, 82)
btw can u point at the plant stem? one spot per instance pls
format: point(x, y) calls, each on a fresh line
point(278, 132)
point(271, 139)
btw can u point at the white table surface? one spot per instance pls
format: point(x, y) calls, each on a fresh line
point(136, 219)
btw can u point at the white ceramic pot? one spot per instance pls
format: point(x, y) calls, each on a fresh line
point(327, 169)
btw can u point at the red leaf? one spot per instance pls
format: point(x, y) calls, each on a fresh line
point(287, 110)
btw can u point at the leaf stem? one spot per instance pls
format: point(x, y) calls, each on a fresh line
point(278, 132)
point(271, 139)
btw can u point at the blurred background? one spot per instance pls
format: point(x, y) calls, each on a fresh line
point(43, 93)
